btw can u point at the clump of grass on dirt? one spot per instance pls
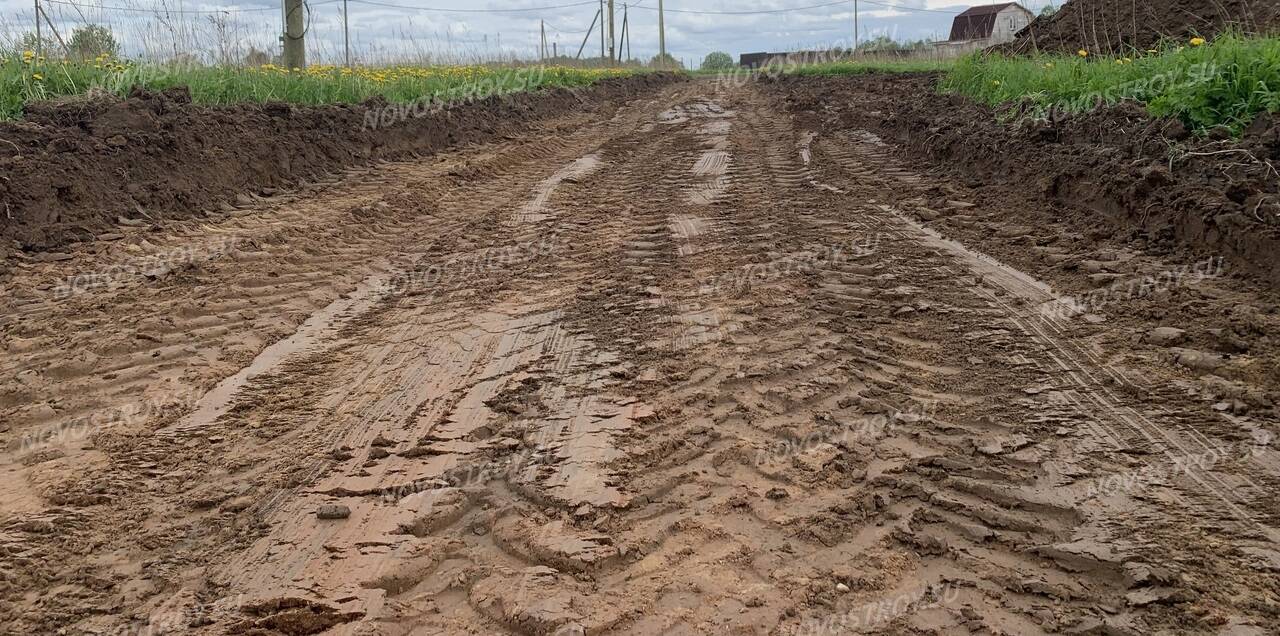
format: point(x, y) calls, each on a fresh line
point(873, 66)
point(1227, 82)
point(25, 78)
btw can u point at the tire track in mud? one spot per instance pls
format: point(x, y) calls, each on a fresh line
point(685, 371)
point(1107, 402)
point(405, 208)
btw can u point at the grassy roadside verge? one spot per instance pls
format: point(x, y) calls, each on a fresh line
point(1227, 82)
point(25, 79)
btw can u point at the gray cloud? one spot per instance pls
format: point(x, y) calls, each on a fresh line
point(384, 33)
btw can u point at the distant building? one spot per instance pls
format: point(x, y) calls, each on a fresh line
point(986, 25)
point(757, 60)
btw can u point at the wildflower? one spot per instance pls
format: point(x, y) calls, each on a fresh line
point(1082, 53)
point(995, 82)
point(37, 77)
point(1197, 41)
point(1048, 65)
point(1128, 60)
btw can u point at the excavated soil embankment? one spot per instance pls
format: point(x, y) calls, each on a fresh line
point(1116, 26)
point(1116, 173)
point(73, 168)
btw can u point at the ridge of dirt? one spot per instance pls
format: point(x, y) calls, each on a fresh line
point(1113, 26)
point(1114, 171)
point(74, 167)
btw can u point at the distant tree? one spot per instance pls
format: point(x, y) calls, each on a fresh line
point(717, 61)
point(880, 43)
point(256, 58)
point(667, 62)
point(27, 43)
point(1048, 10)
point(90, 41)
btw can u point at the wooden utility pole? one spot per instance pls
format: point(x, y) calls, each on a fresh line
point(855, 27)
point(662, 37)
point(613, 52)
point(587, 36)
point(38, 43)
point(626, 31)
point(601, 29)
point(542, 43)
point(295, 48)
point(346, 34)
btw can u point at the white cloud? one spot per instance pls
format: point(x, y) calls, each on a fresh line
point(383, 33)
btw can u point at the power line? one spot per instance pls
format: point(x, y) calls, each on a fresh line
point(760, 12)
point(167, 10)
point(915, 9)
point(391, 5)
point(375, 3)
point(788, 10)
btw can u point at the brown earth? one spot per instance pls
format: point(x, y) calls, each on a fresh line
point(74, 167)
point(1112, 171)
point(1123, 26)
point(724, 359)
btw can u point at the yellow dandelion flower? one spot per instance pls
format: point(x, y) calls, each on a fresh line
point(1197, 41)
point(37, 77)
point(1082, 53)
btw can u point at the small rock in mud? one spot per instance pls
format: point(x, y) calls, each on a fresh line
point(1013, 231)
point(777, 493)
point(333, 511)
point(381, 441)
point(1198, 360)
point(239, 504)
point(378, 452)
point(1162, 595)
point(1165, 336)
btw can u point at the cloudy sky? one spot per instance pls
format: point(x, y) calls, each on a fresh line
point(382, 30)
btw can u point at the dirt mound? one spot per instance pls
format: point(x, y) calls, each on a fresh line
point(74, 167)
point(1118, 170)
point(1117, 26)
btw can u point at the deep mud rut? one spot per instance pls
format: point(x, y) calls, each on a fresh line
point(682, 371)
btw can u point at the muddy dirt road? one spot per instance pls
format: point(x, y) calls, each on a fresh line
point(684, 370)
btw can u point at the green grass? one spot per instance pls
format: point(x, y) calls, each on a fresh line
point(26, 80)
point(874, 66)
point(1227, 82)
